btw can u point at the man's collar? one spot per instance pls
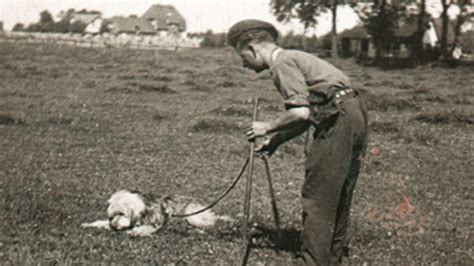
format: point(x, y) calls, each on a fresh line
point(275, 54)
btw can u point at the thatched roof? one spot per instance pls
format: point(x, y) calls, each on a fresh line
point(130, 25)
point(358, 32)
point(164, 16)
point(84, 18)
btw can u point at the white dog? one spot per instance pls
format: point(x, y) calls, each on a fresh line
point(131, 212)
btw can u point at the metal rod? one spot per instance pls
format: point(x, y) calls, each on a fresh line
point(276, 215)
point(248, 189)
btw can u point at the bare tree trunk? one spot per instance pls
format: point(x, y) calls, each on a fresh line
point(334, 29)
point(444, 29)
point(378, 48)
point(418, 53)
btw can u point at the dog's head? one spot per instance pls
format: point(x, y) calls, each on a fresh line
point(125, 209)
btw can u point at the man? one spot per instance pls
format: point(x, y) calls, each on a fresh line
point(314, 93)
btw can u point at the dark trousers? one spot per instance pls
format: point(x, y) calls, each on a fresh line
point(332, 167)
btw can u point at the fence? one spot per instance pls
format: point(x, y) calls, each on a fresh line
point(106, 40)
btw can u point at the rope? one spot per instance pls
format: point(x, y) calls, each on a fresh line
point(219, 198)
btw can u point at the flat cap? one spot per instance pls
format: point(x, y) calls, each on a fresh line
point(249, 24)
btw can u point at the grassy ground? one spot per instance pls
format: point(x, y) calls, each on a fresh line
point(77, 124)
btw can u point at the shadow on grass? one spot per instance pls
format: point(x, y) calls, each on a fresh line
point(6, 119)
point(287, 240)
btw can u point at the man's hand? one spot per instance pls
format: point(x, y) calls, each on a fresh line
point(257, 129)
point(266, 148)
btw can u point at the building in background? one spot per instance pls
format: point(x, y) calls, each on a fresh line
point(357, 41)
point(92, 20)
point(129, 25)
point(165, 19)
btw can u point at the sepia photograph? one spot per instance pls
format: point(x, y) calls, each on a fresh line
point(236, 132)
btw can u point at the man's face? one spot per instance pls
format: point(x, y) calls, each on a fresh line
point(251, 59)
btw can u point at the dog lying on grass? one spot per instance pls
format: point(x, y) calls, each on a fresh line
point(140, 216)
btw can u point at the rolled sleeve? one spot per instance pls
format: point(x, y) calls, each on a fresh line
point(291, 84)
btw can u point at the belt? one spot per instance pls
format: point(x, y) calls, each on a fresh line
point(341, 94)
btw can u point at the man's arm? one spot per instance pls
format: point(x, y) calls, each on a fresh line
point(287, 124)
point(268, 147)
point(284, 136)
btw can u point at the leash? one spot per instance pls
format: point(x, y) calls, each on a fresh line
point(236, 180)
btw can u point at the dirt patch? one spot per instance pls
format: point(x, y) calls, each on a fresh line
point(232, 111)
point(60, 121)
point(8, 119)
point(215, 126)
point(386, 103)
point(138, 87)
point(444, 118)
point(384, 127)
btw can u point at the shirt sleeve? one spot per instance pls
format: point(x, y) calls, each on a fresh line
point(291, 84)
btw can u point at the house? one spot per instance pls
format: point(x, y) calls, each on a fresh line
point(129, 25)
point(357, 41)
point(165, 19)
point(93, 21)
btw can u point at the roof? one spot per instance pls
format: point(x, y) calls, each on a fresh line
point(85, 18)
point(130, 24)
point(404, 30)
point(165, 15)
point(358, 32)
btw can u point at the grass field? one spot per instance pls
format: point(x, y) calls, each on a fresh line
point(77, 124)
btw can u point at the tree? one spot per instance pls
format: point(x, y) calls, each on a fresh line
point(381, 21)
point(45, 18)
point(381, 18)
point(307, 11)
point(19, 27)
point(466, 13)
point(445, 23)
point(77, 27)
point(417, 48)
point(211, 39)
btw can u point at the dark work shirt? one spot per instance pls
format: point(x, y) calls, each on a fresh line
point(296, 73)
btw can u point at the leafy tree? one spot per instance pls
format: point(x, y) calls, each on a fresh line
point(33, 27)
point(467, 12)
point(211, 39)
point(19, 27)
point(45, 18)
point(61, 26)
point(302, 42)
point(307, 11)
point(77, 27)
point(423, 18)
point(381, 21)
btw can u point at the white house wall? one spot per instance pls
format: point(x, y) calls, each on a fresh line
point(95, 26)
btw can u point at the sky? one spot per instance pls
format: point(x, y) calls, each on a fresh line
point(200, 15)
